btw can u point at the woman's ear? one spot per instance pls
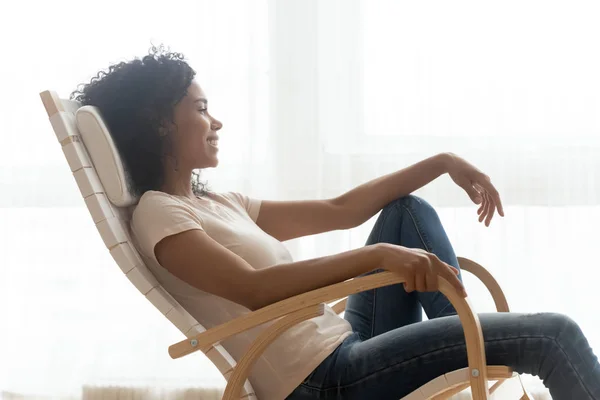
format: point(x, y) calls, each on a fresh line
point(166, 128)
point(163, 131)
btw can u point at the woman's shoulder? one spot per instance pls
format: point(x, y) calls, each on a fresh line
point(225, 196)
point(158, 210)
point(154, 202)
point(155, 198)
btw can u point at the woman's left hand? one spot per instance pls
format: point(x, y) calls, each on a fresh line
point(477, 185)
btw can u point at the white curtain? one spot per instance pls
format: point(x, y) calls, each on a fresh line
point(316, 97)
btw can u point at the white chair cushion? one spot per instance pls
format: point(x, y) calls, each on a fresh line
point(105, 157)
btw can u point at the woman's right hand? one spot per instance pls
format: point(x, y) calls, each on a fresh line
point(420, 268)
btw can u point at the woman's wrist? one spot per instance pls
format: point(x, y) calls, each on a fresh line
point(446, 160)
point(374, 256)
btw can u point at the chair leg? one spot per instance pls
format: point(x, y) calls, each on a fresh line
point(242, 368)
point(526, 394)
point(497, 385)
point(450, 392)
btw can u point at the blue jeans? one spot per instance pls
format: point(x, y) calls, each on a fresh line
point(393, 352)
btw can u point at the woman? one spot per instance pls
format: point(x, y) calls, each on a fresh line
point(220, 255)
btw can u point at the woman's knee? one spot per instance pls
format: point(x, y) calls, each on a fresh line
point(562, 326)
point(412, 204)
point(412, 222)
point(555, 326)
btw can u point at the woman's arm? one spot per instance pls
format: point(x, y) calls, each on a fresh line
point(197, 259)
point(286, 220)
point(366, 200)
point(200, 261)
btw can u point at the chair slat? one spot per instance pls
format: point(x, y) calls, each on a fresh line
point(195, 330)
point(181, 319)
point(112, 232)
point(415, 395)
point(434, 387)
point(161, 299)
point(126, 257)
point(223, 361)
point(88, 182)
point(77, 156)
point(142, 279)
point(63, 124)
point(70, 106)
point(99, 207)
point(457, 377)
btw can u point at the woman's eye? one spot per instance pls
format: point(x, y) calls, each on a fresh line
point(202, 110)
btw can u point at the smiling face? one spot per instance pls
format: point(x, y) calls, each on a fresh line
point(195, 139)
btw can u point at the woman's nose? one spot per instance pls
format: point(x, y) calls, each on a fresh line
point(216, 125)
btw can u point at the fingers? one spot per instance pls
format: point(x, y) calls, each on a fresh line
point(481, 208)
point(491, 211)
point(473, 193)
point(409, 285)
point(484, 207)
point(488, 206)
point(424, 271)
point(433, 284)
point(487, 185)
point(417, 270)
point(421, 282)
point(455, 282)
point(450, 273)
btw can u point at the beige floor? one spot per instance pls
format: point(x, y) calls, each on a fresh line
point(122, 393)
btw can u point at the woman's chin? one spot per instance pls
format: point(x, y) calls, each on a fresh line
point(214, 162)
point(211, 162)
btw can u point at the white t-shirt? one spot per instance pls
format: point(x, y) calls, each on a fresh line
point(229, 219)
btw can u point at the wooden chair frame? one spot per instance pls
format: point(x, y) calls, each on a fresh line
point(112, 225)
point(308, 305)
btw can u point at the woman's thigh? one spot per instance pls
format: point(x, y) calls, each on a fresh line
point(393, 364)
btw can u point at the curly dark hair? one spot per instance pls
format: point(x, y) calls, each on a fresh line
point(137, 100)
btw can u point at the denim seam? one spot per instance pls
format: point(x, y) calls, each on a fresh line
point(424, 239)
point(443, 309)
point(357, 381)
point(418, 227)
point(374, 303)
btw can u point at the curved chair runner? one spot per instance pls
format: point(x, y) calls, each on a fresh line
point(101, 178)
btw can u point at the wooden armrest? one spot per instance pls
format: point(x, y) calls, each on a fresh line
point(488, 280)
point(205, 340)
point(340, 306)
point(468, 318)
point(466, 265)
